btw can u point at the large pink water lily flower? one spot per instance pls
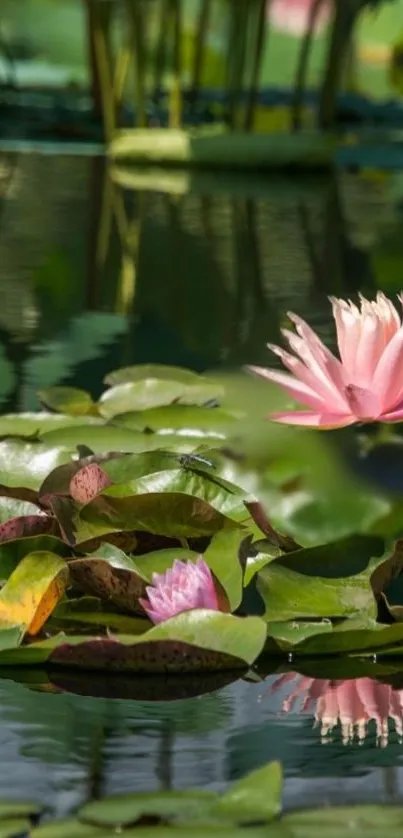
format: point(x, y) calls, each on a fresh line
point(186, 585)
point(365, 385)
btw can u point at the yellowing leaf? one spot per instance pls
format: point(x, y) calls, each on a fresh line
point(33, 591)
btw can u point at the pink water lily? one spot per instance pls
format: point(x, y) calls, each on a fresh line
point(186, 585)
point(364, 385)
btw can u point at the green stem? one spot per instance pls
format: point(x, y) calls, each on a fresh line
point(303, 62)
point(258, 51)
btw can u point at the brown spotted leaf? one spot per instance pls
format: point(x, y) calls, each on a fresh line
point(109, 580)
point(88, 483)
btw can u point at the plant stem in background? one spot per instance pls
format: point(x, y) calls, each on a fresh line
point(260, 12)
point(200, 46)
point(100, 18)
point(135, 14)
point(160, 50)
point(175, 99)
point(346, 12)
point(239, 14)
point(303, 62)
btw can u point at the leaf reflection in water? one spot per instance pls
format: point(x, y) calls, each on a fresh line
point(347, 705)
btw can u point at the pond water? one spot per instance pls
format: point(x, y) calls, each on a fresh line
point(96, 275)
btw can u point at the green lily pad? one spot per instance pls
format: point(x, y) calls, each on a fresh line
point(90, 610)
point(26, 464)
point(103, 438)
point(257, 797)
point(223, 558)
point(18, 809)
point(68, 400)
point(194, 641)
point(367, 821)
point(139, 395)
point(70, 828)
point(159, 561)
point(40, 422)
point(328, 581)
point(187, 420)
point(140, 372)
point(14, 828)
point(125, 809)
point(169, 514)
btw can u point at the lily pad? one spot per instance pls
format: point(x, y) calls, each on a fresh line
point(26, 464)
point(109, 579)
point(106, 437)
point(139, 395)
point(328, 581)
point(32, 591)
point(168, 514)
point(68, 400)
point(40, 422)
point(223, 558)
point(14, 828)
point(257, 797)
point(367, 821)
point(126, 809)
point(184, 420)
point(194, 641)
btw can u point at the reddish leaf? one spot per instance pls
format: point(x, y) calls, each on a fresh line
point(25, 526)
point(88, 483)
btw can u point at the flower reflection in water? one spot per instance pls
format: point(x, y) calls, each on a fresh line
point(349, 705)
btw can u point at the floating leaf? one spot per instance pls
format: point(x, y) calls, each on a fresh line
point(14, 828)
point(31, 424)
point(18, 809)
point(110, 579)
point(159, 561)
point(367, 821)
point(257, 797)
point(93, 611)
point(126, 809)
point(88, 483)
point(68, 400)
point(32, 591)
point(26, 464)
point(328, 581)
point(194, 641)
point(222, 557)
point(184, 420)
point(70, 828)
point(102, 439)
point(139, 395)
point(162, 372)
point(167, 514)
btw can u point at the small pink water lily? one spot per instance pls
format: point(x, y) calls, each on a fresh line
point(184, 586)
point(365, 385)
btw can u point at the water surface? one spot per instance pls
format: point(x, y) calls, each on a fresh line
point(95, 276)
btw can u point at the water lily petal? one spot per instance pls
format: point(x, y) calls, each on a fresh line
point(295, 388)
point(309, 419)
